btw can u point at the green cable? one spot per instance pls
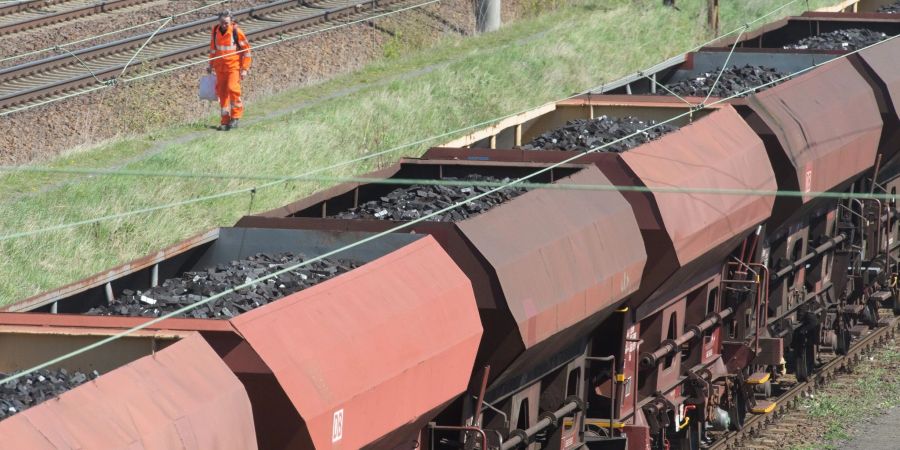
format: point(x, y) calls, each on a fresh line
point(456, 183)
point(394, 229)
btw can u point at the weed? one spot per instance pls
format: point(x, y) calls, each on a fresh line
point(418, 93)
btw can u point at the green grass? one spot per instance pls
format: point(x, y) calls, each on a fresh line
point(874, 388)
point(415, 93)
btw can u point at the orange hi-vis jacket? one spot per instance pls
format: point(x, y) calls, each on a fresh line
point(233, 48)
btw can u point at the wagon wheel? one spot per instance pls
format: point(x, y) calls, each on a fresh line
point(843, 341)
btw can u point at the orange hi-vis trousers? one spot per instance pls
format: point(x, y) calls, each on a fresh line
point(228, 89)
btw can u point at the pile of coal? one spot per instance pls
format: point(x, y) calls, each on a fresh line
point(733, 81)
point(192, 287)
point(889, 9)
point(418, 200)
point(849, 39)
point(36, 387)
point(585, 134)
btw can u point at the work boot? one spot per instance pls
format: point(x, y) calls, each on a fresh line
point(225, 127)
point(233, 123)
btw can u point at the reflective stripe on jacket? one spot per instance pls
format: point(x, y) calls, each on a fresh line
point(227, 45)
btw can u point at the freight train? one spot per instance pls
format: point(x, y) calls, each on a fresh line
point(557, 315)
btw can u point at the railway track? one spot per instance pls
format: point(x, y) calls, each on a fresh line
point(749, 436)
point(27, 15)
point(87, 68)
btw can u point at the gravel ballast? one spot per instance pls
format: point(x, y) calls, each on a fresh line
point(83, 121)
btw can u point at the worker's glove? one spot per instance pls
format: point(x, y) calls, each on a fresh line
point(208, 69)
point(243, 73)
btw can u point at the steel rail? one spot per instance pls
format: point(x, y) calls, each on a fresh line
point(25, 5)
point(83, 9)
point(133, 42)
point(787, 401)
point(294, 15)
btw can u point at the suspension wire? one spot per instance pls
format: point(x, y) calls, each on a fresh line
point(666, 88)
point(292, 37)
point(80, 61)
point(207, 60)
point(378, 235)
point(725, 65)
point(122, 30)
point(465, 183)
point(152, 35)
point(283, 38)
point(312, 172)
point(640, 74)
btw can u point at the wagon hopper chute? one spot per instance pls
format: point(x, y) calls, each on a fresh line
point(159, 389)
point(405, 293)
point(547, 266)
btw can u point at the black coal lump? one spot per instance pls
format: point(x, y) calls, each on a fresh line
point(849, 39)
point(420, 200)
point(586, 134)
point(734, 81)
point(893, 8)
point(192, 287)
point(37, 387)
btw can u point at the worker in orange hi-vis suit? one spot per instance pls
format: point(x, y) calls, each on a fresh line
point(229, 56)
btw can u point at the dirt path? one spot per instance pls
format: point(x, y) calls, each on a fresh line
point(878, 433)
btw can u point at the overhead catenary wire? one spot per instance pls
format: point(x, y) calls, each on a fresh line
point(139, 50)
point(378, 235)
point(121, 80)
point(461, 183)
point(122, 30)
point(725, 65)
point(211, 197)
point(289, 38)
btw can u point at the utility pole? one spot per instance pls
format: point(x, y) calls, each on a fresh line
point(487, 15)
point(712, 16)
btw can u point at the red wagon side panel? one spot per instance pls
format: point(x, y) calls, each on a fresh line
point(828, 123)
point(561, 255)
point(183, 397)
point(383, 346)
point(718, 152)
point(884, 61)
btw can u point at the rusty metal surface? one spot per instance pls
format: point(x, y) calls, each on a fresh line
point(791, 29)
point(883, 60)
point(826, 121)
point(756, 424)
point(718, 152)
point(183, 397)
point(509, 356)
point(112, 322)
point(28, 346)
point(573, 253)
point(381, 347)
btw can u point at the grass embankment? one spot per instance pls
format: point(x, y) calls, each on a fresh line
point(846, 403)
point(409, 96)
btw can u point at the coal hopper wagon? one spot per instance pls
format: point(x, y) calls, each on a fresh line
point(800, 275)
point(671, 260)
point(357, 351)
